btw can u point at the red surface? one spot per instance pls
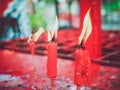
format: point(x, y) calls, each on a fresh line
point(52, 60)
point(105, 70)
point(20, 65)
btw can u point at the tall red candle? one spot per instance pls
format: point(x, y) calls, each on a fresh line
point(52, 60)
point(96, 19)
point(82, 60)
point(79, 79)
point(52, 54)
point(82, 67)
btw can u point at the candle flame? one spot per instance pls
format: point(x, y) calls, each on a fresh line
point(87, 28)
point(53, 33)
point(36, 35)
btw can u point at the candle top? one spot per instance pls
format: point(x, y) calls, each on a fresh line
point(52, 34)
point(34, 37)
point(87, 28)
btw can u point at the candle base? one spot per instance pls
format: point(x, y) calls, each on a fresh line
point(78, 87)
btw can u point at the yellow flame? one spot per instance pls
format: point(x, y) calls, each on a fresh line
point(53, 33)
point(87, 28)
point(36, 35)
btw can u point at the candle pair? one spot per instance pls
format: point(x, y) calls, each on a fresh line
point(82, 65)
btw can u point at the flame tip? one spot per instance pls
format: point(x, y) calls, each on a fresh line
point(86, 29)
point(37, 34)
point(53, 33)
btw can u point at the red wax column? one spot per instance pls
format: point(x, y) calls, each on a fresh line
point(82, 65)
point(52, 60)
point(79, 80)
point(87, 67)
point(96, 17)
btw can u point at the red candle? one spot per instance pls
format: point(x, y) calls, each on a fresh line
point(52, 60)
point(87, 63)
point(52, 54)
point(82, 64)
point(79, 79)
point(97, 27)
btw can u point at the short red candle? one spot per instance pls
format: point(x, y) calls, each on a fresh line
point(82, 63)
point(52, 60)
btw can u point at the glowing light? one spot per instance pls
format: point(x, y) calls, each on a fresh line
point(53, 33)
point(36, 35)
point(87, 28)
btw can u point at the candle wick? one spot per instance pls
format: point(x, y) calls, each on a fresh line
point(53, 39)
point(81, 45)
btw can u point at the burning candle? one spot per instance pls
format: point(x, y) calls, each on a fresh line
point(79, 58)
point(52, 54)
point(82, 67)
point(32, 41)
point(82, 60)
